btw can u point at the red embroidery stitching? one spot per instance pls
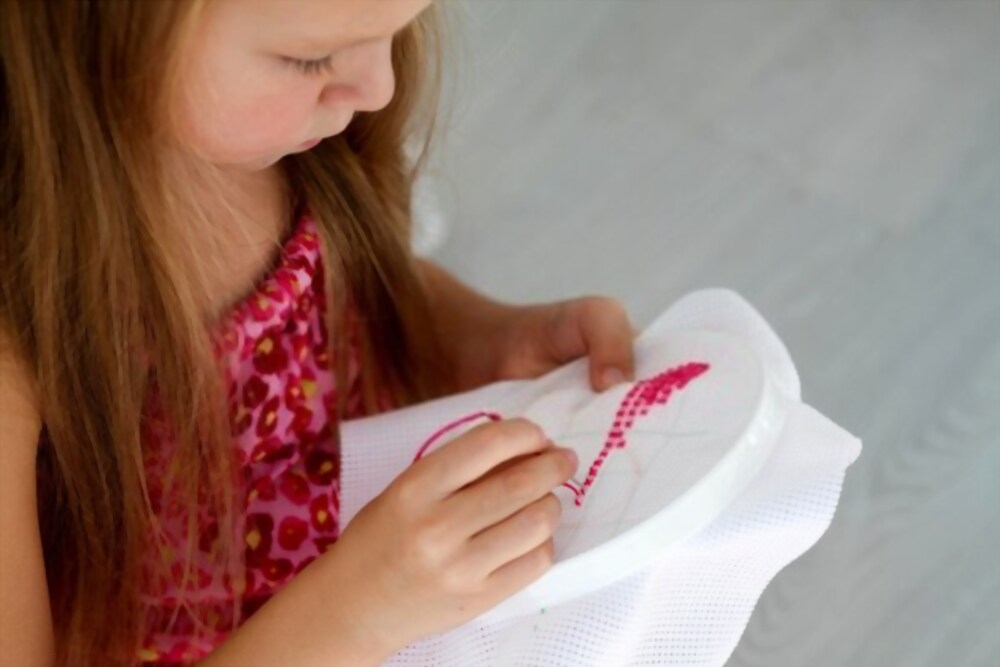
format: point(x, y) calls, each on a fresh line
point(643, 395)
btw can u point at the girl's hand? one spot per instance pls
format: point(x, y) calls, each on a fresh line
point(523, 342)
point(459, 531)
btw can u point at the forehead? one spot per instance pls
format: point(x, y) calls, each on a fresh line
point(322, 24)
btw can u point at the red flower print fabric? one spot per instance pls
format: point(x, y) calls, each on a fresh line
point(281, 398)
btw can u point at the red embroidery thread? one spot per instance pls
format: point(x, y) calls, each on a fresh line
point(494, 416)
point(637, 402)
point(643, 395)
point(458, 422)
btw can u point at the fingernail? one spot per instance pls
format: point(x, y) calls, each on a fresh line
point(612, 376)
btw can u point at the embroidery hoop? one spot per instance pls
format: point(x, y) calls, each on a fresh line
point(634, 548)
point(735, 367)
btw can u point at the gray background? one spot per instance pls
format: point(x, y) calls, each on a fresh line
point(836, 163)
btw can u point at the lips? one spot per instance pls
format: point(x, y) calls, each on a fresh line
point(310, 143)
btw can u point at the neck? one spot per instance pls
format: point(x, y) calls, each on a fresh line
point(231, 226)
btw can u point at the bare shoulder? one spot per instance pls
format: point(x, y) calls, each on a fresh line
point(26, 634)
point(20, 418)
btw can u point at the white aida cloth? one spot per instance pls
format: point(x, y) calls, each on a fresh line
point(697, 483)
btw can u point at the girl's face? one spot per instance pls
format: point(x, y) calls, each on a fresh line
point(265, 78)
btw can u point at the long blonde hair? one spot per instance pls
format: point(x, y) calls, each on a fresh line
point(95, 296)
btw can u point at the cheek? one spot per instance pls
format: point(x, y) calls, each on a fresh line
point(263, 125)
point(239, 124)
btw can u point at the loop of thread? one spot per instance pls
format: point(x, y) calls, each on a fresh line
point(494, 416)
point(458, 422)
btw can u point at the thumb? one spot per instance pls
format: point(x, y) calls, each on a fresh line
point(609, 334)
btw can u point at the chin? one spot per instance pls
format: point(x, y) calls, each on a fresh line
point(259, 164)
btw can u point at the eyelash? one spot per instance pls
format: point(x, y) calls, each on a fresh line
point(311, 67)
point(320, 65)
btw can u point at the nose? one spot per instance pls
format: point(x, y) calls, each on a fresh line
point(367, 70)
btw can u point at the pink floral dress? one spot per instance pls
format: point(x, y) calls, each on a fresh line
point(282, 398)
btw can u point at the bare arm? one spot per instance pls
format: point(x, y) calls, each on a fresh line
point(329, 614)
point(469, 324)
point(456, 306)
point(306, 623)
point(26, 636)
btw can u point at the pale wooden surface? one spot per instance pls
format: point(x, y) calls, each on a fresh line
point(838, 164)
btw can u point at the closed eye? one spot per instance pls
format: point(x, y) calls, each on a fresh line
point(312, 67)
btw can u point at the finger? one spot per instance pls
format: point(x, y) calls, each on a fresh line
point(605, 326)
point(474, 453)
point(506, 465)
point(517, 535)
point(500, 495)
point(523, 570)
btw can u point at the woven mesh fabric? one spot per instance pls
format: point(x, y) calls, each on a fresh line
point(690, 604)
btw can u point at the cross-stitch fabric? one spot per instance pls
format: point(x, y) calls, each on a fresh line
point(697, 484)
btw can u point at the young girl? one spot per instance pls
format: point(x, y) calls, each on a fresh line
point(205, 265)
